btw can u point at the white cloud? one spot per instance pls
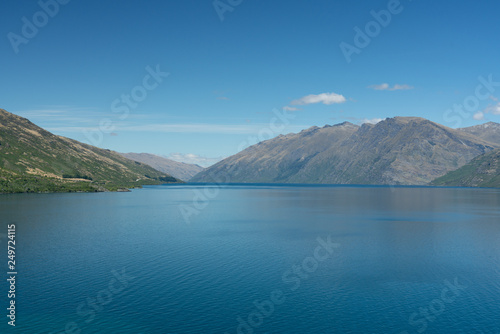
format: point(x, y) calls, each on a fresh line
point(371, 121)
point(287, 108)
point(495, 110)
point(479, 116)
point(191, 158)
point(325, 98)
point(360, 121)
point(491, 109)
point(386, 86)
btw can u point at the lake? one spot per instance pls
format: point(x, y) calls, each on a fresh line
point(256, 259)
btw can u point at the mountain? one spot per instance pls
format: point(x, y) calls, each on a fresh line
point(278, 159)
point(488, 131)
point(482, 171)
point(400, 151)
point(35, 160)
point(179, 170)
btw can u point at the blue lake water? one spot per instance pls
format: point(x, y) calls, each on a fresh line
point(256, 259)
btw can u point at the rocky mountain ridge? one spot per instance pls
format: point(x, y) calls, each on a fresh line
point(398, 151)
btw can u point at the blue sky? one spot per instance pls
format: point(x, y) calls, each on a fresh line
point(201, 88)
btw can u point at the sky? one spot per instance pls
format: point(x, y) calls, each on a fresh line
point(200, 80)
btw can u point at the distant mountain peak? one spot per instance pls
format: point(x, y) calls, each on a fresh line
point(490, 124)
point(488, 131)
point(482, 126)
point(180, 170)
point(347, 124)
point(407, 119)
point(310, 130)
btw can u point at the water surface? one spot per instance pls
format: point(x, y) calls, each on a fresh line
point(195, 259)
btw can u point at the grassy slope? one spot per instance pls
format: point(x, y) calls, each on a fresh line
point(483, 171)
point(35, 160)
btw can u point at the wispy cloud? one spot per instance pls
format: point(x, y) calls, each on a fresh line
point(71, 129)
point(192, 128)
point(54, 111)
point(386, 86)
point(479, 116)
point(325, 98)
point(67, 113)
point(185, 128)
point(287, 108)
point(191, 158)
point(59, 115)
point(41, 113)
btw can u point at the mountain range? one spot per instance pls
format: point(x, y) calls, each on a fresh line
point(179, 170)
point(395, 151)
point(35, 160)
